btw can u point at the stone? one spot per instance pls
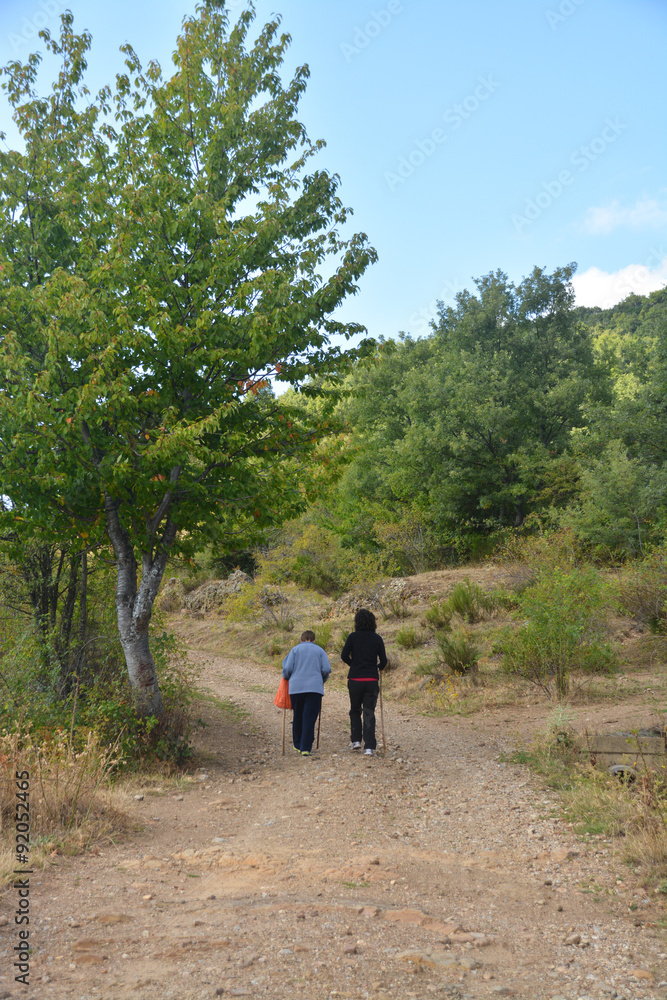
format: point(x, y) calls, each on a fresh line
point(406, 916)
point(464, 937)
point(573, 939)
point(483, 941)
point(640, 974)
point(3, 923)
point(440, 928)
point(434, 959)
point(86, 944)
point(441, 959)
point(411, 955)
point(350, 949)
point(564, 855)
point(212, 595)
point(113, 918)
point(502, 991)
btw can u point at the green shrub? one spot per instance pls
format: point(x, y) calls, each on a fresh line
point(398, 607)
point(565, 630)
point(100, 700)
point(643, 592)
point(500, 597)
point(323, 634)
point(408, 638)
point(459, 652)
point(259, 603)
point(439, 616)
point(469, 602)
point(310, 556)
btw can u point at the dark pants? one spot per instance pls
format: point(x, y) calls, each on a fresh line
point(363, 695)
point(306, 708)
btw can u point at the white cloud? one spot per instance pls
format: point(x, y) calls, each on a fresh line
point(647, 213)
point(603, 288)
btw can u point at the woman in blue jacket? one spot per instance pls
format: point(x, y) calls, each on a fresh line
point(306, 667)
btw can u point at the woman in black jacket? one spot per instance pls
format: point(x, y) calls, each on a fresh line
point(364, 653)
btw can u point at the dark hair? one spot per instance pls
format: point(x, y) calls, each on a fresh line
point(308, 636)
point(364, 621)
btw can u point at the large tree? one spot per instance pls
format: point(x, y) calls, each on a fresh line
point(468, 430)
point(164, 250)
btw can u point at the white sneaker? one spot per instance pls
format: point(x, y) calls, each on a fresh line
point(355, 746)
point(368, 753)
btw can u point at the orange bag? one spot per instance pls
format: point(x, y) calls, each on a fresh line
point(282, 699)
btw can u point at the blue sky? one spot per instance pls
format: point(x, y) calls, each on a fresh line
point(468, 137)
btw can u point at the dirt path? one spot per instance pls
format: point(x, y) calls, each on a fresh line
point(436, 871)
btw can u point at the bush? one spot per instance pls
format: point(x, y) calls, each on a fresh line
point(103, 703)
point(527, 557)
point(398, 607)
point(323, 634)
point(643, 592)
point(307, 555)
point(459, 652)
point(408, 638)
point(108, 708)
point(259, 603)
point(439, 616)
point(469, 602)
point(502, 598)
point(567, 623)
point(618, 513)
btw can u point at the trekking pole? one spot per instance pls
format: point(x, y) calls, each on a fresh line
point(284, 714)
point(319, 723)
point(384, 739)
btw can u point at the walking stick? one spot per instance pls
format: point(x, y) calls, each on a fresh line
point(284, 714)
point(319, 723)
point(384, 739)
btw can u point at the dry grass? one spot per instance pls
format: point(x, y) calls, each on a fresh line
point(70, 804)
point(632, 815)
point(637, 813)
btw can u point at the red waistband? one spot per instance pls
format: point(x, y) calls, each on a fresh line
point(363, 678)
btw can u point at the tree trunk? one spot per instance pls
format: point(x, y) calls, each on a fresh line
point(63, 641)
point(134, 607)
